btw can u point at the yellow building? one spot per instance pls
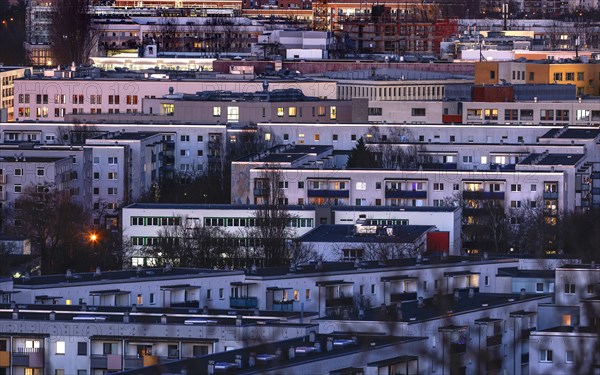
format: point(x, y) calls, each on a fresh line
point(586, 77)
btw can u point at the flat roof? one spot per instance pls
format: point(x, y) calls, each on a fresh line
point(132, 275)
point(527, 274)
point(129, 136)
point(346, 233)
point(551, 159)
point(569, 133)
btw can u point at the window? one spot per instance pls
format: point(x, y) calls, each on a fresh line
point(531, 76)
point(436, 284)
point(184, 138)
point(300, 184)
point(18, 172)
point(113, 160)
point(200, 138)
point(292, 111)
point(335, 137)
point(296, 295)
point(580, 76)
point(333, 112)
point(233, 114)
point(60, 348)
point(221, 293)
point(484, 160)
point(570, 76)
point(425, 285)
point(280, 111)
point(569, 288)
point(96, 191)
point(307, 294)
point(515, 187)
point(486, 281)
point(591, 289)
point(321, 110)
point(558, 76)
point(372, 288)
point(539, 287)
point(18, 188)
point(456, 187)
point(378, 185)
point(545, 355)
point(569, 356)
point(40, 172)
point(208, 294)
point(184, 152)
point(112, 175)
point(81, 372)
point(566, 320)
point(492, 74)
point(109, 348)
point(112, 191)
point(82, 348)
point(438, 186)
point(59, 371)
point(515, 204)
point(317, 138)
point(533, 187)
point(419, 112)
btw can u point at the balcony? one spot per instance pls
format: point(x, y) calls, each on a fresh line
point(98, 361)
point(133, 362)
point(243, 302)
point(395, 193)
point(339, 302)
point(458, 348)
point(440, 166)
point(328, 193)
point(28, 357)
point(150, 360)
point(403, 297)
point(190, 303)
point(261, 192)
point(493, 340)
point(4, 359)
point(502, 167)
point(483, 195)
point(283, 305)
point(551, 195)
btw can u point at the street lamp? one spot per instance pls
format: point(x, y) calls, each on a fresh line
point(93, 237)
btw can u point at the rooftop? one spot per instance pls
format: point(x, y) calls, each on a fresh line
point(342, 233)
point(133, 275)
point(278, 95)
point(30, 159)
point(533, 274)
point(570, 133)
point(274, 357)
point(443, 306)
point(551, 159)
point(127, 136)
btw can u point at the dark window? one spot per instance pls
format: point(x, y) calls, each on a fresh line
point(82, 348)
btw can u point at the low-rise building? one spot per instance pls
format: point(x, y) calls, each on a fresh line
point(8, 75)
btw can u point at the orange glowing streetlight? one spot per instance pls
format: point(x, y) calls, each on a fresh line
point(93, 237)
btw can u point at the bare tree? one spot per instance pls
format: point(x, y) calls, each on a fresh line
point(73, 33)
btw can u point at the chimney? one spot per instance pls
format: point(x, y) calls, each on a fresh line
point(163, 319)
point(52, 315)
point(98, 272)
point(69, 274)
point(211, 367)
point(522, 296)
point(420, 303)
point(126, 317)
point(291, 352)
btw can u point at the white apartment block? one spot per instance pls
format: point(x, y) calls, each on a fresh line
point(51, 99)
point(19, 173)
point(142, 223)
point(558, 113)
point(575, 283)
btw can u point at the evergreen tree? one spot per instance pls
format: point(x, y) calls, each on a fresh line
point(361, 156)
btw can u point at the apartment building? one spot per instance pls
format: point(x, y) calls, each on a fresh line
point(51, 99)
point(19, 173)
point(586, 76)
point(8, 75)
point(225, 107)
point(79, 340)
point(558, 113)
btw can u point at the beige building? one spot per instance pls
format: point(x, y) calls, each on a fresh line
point(8, 74)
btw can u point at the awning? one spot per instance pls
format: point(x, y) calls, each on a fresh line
point(398, 278)
point(46, 298)
point(108, 292)
point(393, 361)
point(241, 283)
point(179, 286)
point(460, 273)
point(333, 282)
point(276, 288)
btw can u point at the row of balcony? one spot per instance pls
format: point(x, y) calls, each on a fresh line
point(129, 361)
point(22, 357)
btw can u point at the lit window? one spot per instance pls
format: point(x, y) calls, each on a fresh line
point(168, 109)
point(280, 111)
point(60, 348)
point(292, 111)
point(333, 113)
point(216, 111)
point(296, 295)
point(307, 294)
point(233, 114)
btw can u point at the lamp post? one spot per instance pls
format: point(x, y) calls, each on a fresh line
point(93, 237)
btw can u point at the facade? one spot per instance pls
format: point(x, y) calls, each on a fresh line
point(45, 99)
point(586, 76)
point(7, 90)
point(225, 107)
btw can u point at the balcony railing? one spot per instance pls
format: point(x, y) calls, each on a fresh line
point(484, 195)
point(341, 301)
point(458, 348)
point(243, 302)
point(317, 193)
point(395, 193)
point(194, 303)
point(99, 361)
point(261, 192)
point(403, 297)
point(551, 195)
point(283, 305)
point(493, 340)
